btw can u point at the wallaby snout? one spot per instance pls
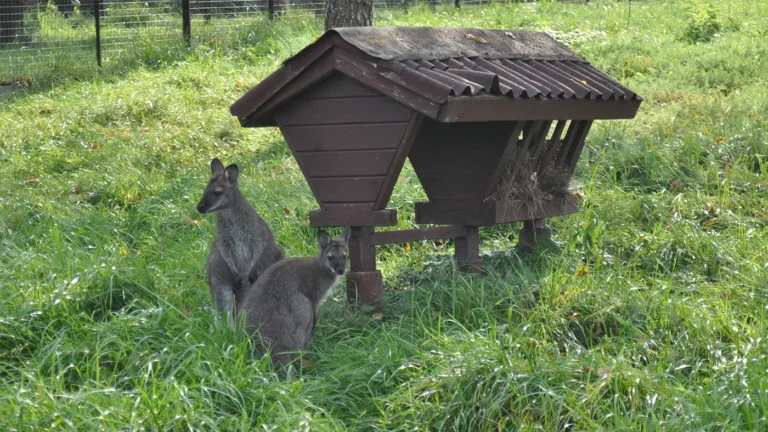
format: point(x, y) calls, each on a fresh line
point(212, 201)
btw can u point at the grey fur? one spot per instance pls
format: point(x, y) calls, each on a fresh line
point(283, 305)
point(243, 248)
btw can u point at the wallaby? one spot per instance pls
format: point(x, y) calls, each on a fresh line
point(243, 248)
point(283, 305)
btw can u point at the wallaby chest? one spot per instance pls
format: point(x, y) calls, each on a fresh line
point(242, 245)
point(329, 289)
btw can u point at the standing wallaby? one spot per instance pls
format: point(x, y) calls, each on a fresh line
point(243, 248)
point(283, 304)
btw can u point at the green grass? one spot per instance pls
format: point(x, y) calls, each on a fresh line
point(652, 318)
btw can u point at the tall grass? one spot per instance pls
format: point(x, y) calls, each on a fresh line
point(653, 317)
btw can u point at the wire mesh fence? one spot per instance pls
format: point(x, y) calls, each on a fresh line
point(44, 36)
point(36, 34)
point(126, 25)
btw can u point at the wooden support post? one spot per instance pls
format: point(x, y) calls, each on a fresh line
point(467, 251)
point(530, 231)
point(97, 22)
point(186, 23)
point(527, 237)
point(364, 282)
point(542, 230)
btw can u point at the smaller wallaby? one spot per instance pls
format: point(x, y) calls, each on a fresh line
point(243, 248)
point(283, 304)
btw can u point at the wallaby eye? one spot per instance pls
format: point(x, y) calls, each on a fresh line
point(218, 191)
point(330, 256)
point(344, 256)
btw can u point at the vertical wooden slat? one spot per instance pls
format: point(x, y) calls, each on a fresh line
point(536, 146)
point(570, 145)
point(552, 147)
point(562, 152)
point(573, 156)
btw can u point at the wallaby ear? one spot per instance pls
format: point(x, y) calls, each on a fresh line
point(323, 239)
point(344, 236)
point(230, 173)
point(216, 167)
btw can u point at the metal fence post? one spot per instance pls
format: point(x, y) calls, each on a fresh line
point(186, 23)
point(96, 13)
point(271, 8)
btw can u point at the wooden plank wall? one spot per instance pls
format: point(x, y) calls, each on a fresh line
point(345, 137)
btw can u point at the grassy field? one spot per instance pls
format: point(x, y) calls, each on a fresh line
point(653, 317)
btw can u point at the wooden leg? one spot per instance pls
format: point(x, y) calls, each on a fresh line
point(364, 282)
point(467, 251)
point(532, 229)
point(542, 230)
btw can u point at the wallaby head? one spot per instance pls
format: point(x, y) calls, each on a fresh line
point(220, 192)
point(333, 253)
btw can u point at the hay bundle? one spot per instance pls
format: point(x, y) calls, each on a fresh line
point(522, 182)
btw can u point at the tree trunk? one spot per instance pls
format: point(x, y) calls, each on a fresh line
point(11, 20)
point(348, 13)
point(65, 7)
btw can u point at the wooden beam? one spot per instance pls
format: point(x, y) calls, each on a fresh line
point(515, 211)
point(316, 72)
point(323, 218)
point(490, 212)
point(365, 72)
point(509, 151)
point(459, 213)
point(397, 162)
point(389, 237)
point(491, 108)
point(254, 99)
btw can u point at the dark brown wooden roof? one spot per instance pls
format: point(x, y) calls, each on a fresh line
point(450, 74)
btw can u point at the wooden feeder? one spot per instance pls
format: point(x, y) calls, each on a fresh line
point(493, 122)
